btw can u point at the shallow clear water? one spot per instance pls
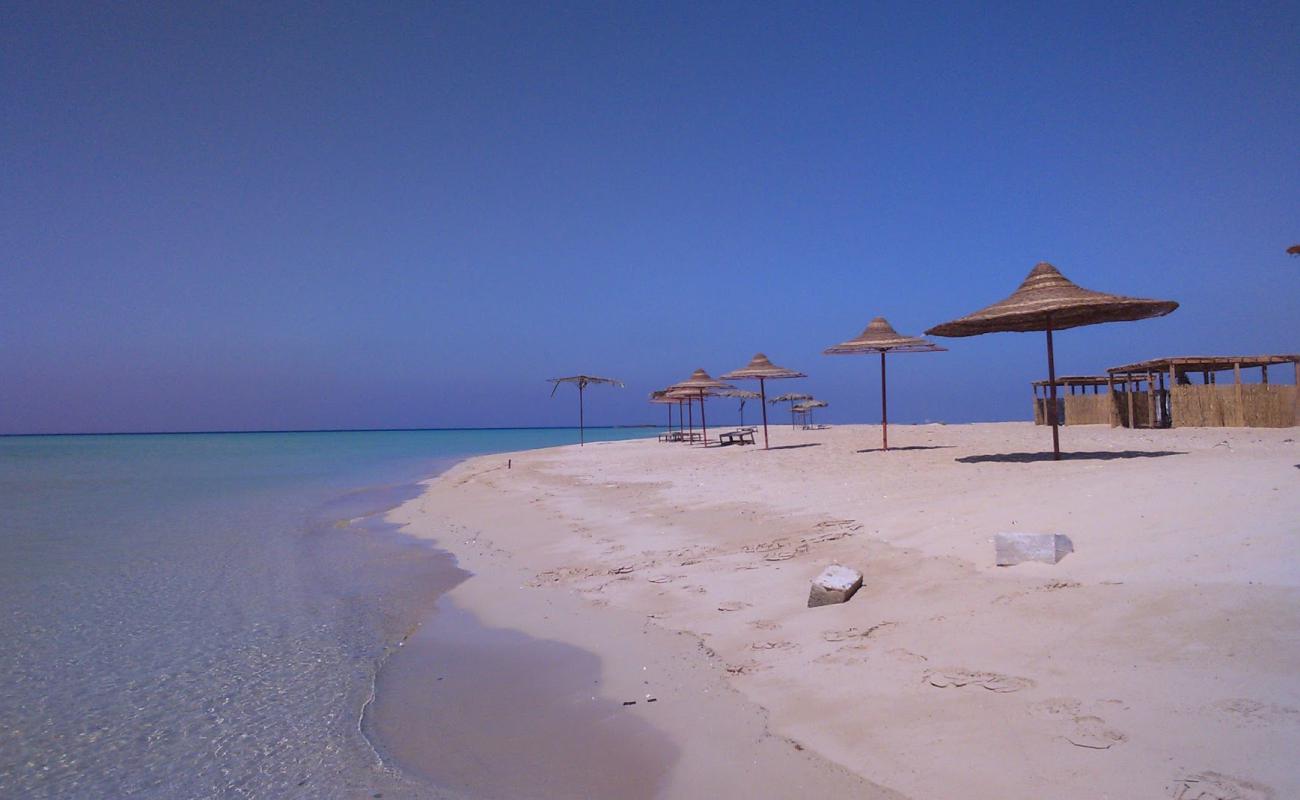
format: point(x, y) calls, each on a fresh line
point(191, 616)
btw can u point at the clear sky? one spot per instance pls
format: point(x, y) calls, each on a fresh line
point(320, 215)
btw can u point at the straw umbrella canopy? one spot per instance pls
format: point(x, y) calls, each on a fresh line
point(807, 406)
point(1048, 301)
point(700, 384)
point(685, 417)
point(743, 395)
point(761, 369)
point(880, 337)
point(662, 398)
point(582, 382)
point(791, 398)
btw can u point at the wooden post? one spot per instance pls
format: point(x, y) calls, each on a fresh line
point(1263, 371)
point(1051, 386)
point(884, 408)
point(1128, 390)
point(704, 426)
point(1151, 400)
point(1110, 390)
point(582, 436)
point(762, 392)
point(1173, 387)
point(1236, 379)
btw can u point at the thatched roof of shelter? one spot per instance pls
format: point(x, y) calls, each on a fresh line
point(1205, 363)
point(1047, 294)
point(1077, 380)
point(760, 367)
point(880, 337)
point(811, 404)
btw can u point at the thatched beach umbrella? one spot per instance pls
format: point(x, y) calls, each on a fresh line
point(807, 407)
point(880, 337)
point(791, 398)
point(762, 370)
point(662, 398)
point(1048, 301)
point(582, 381)
point(700, 384)
point(743, 395)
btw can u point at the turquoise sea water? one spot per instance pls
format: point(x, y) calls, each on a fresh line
point(185, 615)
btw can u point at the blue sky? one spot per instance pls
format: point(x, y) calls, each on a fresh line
point(253, 216)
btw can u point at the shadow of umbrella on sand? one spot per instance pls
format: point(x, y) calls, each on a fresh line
point(582, 381)
point(880, 337)
point(762, 370)
point(1048, 301)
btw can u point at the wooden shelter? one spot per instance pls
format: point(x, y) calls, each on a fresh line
point(1075, 405)
point(1165, 392)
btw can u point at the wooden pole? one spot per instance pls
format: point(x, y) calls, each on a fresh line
point(582, 437)
point(1151, 400)
point(704, 426)
point(762, 393)
point(1263, 371)
point(1128, 390)
point(884, 406)
point(690, 410)
point(1173, 387)
point(1051, 378)
point(1110, 390)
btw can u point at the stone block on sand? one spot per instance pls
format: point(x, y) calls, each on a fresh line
point(836, 584)
point(1014, 548)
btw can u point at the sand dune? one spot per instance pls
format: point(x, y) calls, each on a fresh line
point(1157, 660)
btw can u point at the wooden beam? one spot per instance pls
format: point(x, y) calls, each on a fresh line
point(1128, 390)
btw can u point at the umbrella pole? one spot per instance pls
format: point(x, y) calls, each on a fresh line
point(704, 426)
point(762, 391)
point(582, 439)
point(884, 406)
point(690, 411)
point(1051, 383)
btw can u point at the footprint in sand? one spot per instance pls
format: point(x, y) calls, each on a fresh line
point(903, 654)
point(1217, 786)
point(1056, 707)
point(733, 605)
point(849, 634)
point(1092, 733)
point(765, 624)
point(773, 645)
point(992, 681)
point(1255, 712)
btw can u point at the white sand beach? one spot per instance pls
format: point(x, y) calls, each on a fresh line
point(1159, 659)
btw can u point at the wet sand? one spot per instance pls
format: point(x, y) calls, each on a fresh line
point(1157, 660)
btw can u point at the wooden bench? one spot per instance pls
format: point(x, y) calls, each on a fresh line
point(741, 436)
